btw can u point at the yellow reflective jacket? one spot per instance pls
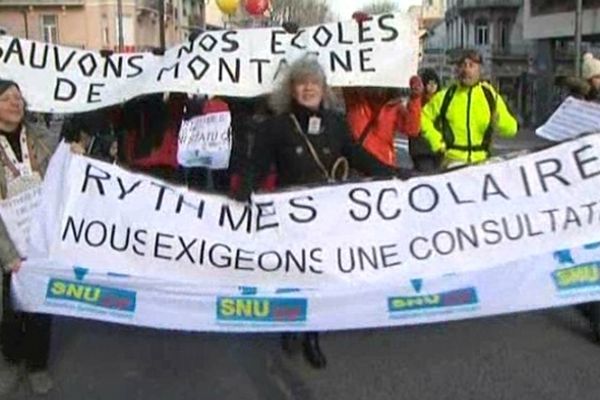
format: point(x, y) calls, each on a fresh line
point(468, 119)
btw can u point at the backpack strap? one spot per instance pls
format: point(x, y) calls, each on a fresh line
point(492, 99)
point(441, 121)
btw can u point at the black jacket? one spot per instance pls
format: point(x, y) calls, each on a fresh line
point(281, 144)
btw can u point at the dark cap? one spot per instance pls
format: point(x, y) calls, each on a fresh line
point(469, 54)
point(6, 84)
point(428, 75)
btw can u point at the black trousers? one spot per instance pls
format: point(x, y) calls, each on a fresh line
point(23, 336)
point(425, 163)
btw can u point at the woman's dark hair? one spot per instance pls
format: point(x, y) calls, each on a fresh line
point(427, 75)
point(5, 84)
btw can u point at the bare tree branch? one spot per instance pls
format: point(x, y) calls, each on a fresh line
point(381, 7)
point(302, 12)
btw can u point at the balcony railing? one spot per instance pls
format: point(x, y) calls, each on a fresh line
point(496, 52)
point(40, 3)
point(152, 6)
point(465, 4)
point(196, 20)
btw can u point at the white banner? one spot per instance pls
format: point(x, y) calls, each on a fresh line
point(573, 118)
point(229, 62)
point(16, 214)
point(556, 279)
point(117, 246)
point(205, 141)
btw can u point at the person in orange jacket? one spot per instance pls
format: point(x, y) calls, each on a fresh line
point(375, 115)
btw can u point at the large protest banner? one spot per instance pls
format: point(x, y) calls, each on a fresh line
point(381, 51)
point(529, 284)
point(108, 243)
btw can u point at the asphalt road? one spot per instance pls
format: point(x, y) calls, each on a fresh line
point(543, 355)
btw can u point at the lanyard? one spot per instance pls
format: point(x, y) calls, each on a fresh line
point(9, 158)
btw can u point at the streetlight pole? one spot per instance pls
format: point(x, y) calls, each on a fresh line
point(121, 40)
point(203, 15)
point(578, 33)
point(26, 23)
point(161, 24)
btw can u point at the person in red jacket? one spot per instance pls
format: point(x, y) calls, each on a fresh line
point(150, 145)
point(375, 115)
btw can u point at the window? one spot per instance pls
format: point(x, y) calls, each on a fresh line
point(462, 34)
point(128, 30)
point(504, 34)
point(105, 38)
point(105, 32)
point(50, 28)
point(481, 32)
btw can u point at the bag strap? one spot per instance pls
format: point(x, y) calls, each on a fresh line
point(491, 98)
point(341, 162)
point(441, 122)
point(446, 102)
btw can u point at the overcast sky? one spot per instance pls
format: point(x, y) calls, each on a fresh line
point(345, 8)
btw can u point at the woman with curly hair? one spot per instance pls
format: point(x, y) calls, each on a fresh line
point(307, 143)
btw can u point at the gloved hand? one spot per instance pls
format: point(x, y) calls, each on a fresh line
point(360, 16)
point(416, 87)
point(77, 148)
point(15, 265)
point(438, 147)
point(290, 27)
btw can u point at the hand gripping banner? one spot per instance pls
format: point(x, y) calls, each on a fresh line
point(116, 246)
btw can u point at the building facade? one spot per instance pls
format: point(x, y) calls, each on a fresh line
point(495, 29)
point(433, 36)
point(91, 24)
point(199, 15)
point(433, 9)
point(550, 25)
point(434, 52)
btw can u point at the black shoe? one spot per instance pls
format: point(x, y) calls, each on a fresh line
point(584, 309)
point(594, 317)
point(290, 343)
point(312, 350)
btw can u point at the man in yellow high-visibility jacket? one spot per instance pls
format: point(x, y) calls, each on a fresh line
point(459, 121)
